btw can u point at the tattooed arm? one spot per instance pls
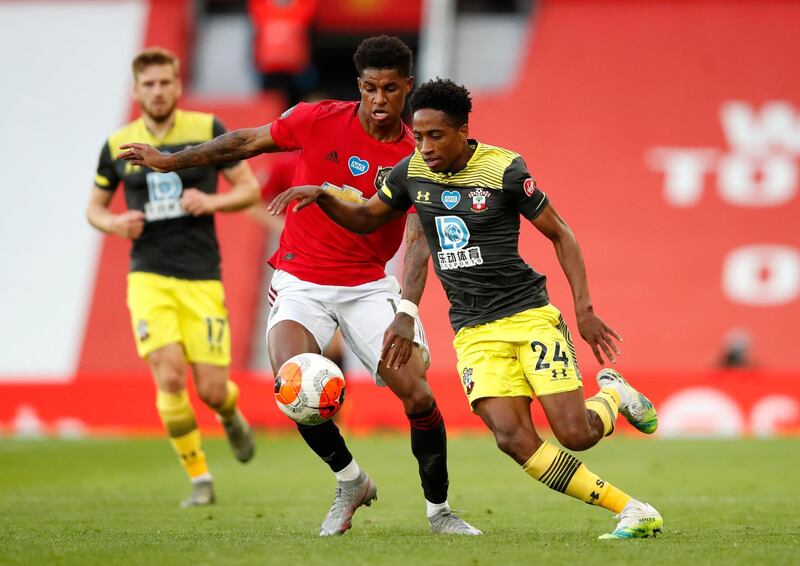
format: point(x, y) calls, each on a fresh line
point(232, 146)
point(398, 340)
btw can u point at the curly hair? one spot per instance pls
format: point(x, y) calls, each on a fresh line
point(384, 52)
point(446, 96)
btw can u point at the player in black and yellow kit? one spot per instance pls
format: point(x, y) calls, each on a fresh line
point(175, 295)
point(512, 344)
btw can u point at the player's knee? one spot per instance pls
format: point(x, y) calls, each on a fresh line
point(576, 438)
point(417, 399)
point(518, 443)
point(212, 394)
point(169, 379)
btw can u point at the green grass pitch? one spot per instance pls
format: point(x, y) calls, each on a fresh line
point(116, 502)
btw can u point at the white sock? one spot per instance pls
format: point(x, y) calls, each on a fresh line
point(432, 508)
point(350, 472)
point(202, 478)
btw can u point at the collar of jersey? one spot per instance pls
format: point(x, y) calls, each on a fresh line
point(151, 138)
point(447, 177)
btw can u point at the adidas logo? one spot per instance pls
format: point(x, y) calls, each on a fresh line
point(332, 156)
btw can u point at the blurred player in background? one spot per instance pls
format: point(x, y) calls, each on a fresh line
point(175, 295)
point(327, 277)
point(512, 344)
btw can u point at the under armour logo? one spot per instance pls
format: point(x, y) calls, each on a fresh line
point(563, 373)
point(423, 196)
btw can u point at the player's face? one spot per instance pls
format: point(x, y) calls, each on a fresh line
point(157, 90)
point(443, 146)
point(383, 94)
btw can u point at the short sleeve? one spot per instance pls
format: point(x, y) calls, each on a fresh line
point(393, 191)
point(217, 130)
point(293, 127)
point(106, 177)
point(521, 189)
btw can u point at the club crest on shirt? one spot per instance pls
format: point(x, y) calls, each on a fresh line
point(380, 176)
point(530, 186)
point(466, 379)
point(357, 165)
point(479, 197)
point(142, 330)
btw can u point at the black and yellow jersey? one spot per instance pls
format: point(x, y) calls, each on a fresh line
point(173, 243)
point(471, 222)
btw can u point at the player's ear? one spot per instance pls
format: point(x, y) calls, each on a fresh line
point(180, 87)
point(409, 84)
point(464, 131)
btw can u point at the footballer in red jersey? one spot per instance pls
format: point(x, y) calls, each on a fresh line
point(327, 277)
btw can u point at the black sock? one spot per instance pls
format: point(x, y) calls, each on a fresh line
point(429, 445)
point(327, 442)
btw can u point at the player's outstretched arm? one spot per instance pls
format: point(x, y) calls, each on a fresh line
point(592, 329)
point(398, 340)
point(359, 218)
point(231, 146)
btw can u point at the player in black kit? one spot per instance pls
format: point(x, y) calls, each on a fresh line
point(512, 344)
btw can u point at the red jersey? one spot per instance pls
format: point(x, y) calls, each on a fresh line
point(281, 173)
point(336, 149)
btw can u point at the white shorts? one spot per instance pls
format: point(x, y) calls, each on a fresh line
point(363, 313)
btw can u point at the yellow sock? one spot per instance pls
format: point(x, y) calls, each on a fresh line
point(565, 473)
point(178, 418)
point(606, 405)
point(228, 408)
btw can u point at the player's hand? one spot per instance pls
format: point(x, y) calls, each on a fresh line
point(129, 224)
point(197, 203)
point(599, 336)
point(304, 195)
point(398, 341)
point(146, 155)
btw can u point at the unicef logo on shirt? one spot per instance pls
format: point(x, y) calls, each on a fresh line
point(453, 233)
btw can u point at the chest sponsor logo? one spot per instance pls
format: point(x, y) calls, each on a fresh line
point(450, 199)
point(380, 177)
point(453, 239)
point(164, 192)
point(479, 197)
point(530, 186)
point(423, 197)
point(357, 165)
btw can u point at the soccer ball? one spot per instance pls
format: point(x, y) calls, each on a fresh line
point(309, 389)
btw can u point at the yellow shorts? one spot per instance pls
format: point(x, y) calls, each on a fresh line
point(526, 354)
point(166, 310)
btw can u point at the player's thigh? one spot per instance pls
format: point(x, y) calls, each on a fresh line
point(204, 324)
point(298, 310)
point(567, 415)
point(488, 365)
point(154, 312)
point(546, 351)
point(365, 314)
point(168, 368)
